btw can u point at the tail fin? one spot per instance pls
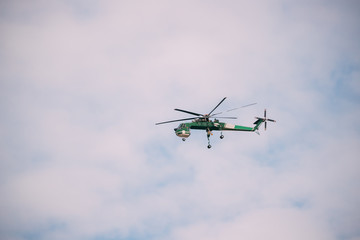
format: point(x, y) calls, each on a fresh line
point(258, 123)
point(260, 120)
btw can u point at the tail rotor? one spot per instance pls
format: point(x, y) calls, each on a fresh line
point(265, 119)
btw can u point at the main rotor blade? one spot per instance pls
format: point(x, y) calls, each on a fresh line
point(184, 119)
point(180, 110)
point(233, 109)
point(217, 105)
point(271, 120)
point(248, 105)
point(228, 117)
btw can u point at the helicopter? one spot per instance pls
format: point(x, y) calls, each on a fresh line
point(204, 122)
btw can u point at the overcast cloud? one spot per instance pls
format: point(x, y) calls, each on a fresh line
point(83, 82)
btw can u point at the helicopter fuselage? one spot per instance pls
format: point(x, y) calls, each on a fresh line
point(183, 130)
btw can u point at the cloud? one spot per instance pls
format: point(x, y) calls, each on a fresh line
point(275, 224)
point(82, 85)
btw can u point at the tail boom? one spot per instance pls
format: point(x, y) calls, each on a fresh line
point(231, 127)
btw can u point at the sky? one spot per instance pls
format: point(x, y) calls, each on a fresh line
point(82, 84)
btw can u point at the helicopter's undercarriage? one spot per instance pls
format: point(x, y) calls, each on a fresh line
point(208, 134)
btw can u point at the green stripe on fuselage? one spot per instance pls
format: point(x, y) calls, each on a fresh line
point(241, 128)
